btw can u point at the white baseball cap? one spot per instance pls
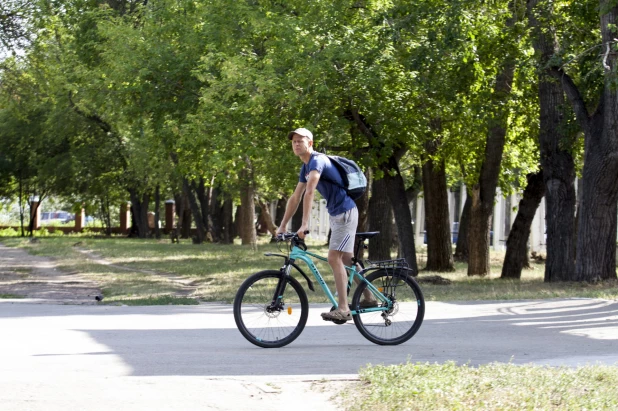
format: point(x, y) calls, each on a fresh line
point(302, 132)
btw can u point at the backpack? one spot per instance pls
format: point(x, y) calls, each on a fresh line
point(354, 180)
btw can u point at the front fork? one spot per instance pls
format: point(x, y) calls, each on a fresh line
point(276, 303)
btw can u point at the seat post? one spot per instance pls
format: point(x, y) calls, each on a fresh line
point(361, 242)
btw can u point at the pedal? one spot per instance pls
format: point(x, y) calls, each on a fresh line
point(338, 322)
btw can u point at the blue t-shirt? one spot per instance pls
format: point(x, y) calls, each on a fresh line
point(337, 201)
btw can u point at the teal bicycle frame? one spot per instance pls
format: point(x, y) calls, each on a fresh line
point(298, 253)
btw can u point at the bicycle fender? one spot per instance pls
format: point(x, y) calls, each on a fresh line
point(309, 283)
point(287, 261)
point(285, 257)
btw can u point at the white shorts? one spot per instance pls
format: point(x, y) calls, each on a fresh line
point(343, 230)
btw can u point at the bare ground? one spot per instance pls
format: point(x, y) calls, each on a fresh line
point(37, 279)
point(184, 287)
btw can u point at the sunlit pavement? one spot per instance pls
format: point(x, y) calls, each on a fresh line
point(60, 357)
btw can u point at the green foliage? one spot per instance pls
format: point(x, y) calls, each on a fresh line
point(119, 95)
point(9, 232)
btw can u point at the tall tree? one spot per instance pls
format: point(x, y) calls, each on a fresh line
point(439, 245)
point(516, 257)
point(556, 145)
point(596, 239)
point(483, 191)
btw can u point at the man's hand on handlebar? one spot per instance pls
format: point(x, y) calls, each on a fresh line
point(283, 236)
point(280, 230)
point(302, 231)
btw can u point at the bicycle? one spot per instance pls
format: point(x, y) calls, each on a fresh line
point(271, 306)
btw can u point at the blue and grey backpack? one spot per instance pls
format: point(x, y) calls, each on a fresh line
point(354, 180)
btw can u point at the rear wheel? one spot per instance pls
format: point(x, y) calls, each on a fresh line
point(265, 318)
point(404, 317)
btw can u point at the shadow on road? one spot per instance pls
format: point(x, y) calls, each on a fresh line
point(202, 341)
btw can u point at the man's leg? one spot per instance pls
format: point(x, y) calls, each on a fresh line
point(335, 260)
point(347, 260)
point(343, 227)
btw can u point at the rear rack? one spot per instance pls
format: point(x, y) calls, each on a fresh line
point(397, 263)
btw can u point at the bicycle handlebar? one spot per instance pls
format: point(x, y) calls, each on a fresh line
point(288, 236)
point(296, 240)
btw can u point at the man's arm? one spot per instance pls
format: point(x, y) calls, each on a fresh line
point(291, 206)
point(312, 183)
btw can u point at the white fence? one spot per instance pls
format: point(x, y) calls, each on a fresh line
point(505, 210)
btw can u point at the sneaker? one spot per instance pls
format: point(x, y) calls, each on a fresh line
point(337, 315)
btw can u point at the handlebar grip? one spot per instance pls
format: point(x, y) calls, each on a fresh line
point(287, 236)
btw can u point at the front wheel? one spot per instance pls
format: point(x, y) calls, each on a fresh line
point(404, 317)
point(265, 316)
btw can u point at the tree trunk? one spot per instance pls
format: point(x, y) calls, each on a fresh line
point(267, 218)
point(516, 257)
point(281, 203)
point(203, 195)
point(106, 217)
point(395, 188)
point(262, 221)
point(228, 220)
point(380, 219)
point(237, 222)
point(184, 216)
point(139, 213)
point(478, 235)
point(596, 240)
point(396, 191)
point(195, 211)
point(157, 216)
point(21, 206)
point(362, 205)
point(247, 194)
point(439, 244)
point(580, 190)
point(461, 251)
point(484, 191)
point(556, 159)
point(33, 212)
point(217, 216)
point(297, 218)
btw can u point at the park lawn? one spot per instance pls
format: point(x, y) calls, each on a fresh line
point(487, 387)
point(214, 272)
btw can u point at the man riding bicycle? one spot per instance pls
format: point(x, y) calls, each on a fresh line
point(341, 209)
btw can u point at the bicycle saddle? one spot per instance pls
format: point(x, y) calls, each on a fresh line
point(364, 236)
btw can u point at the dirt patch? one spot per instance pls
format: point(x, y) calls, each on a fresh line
point(185, 287)
point(37, 279)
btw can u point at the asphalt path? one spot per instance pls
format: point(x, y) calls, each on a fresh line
point(59, 357)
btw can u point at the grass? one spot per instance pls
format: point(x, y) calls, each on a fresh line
point(11, 296)
point(213, 272)
point(487, 387)
point(161, 300)
point(530, 286)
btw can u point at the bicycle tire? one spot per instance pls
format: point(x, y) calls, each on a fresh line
point(403, 320)
point(263, 326)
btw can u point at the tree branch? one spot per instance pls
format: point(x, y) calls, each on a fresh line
point(92, 117)
point(574, 96)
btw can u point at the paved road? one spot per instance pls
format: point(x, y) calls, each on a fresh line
point(59, 357)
